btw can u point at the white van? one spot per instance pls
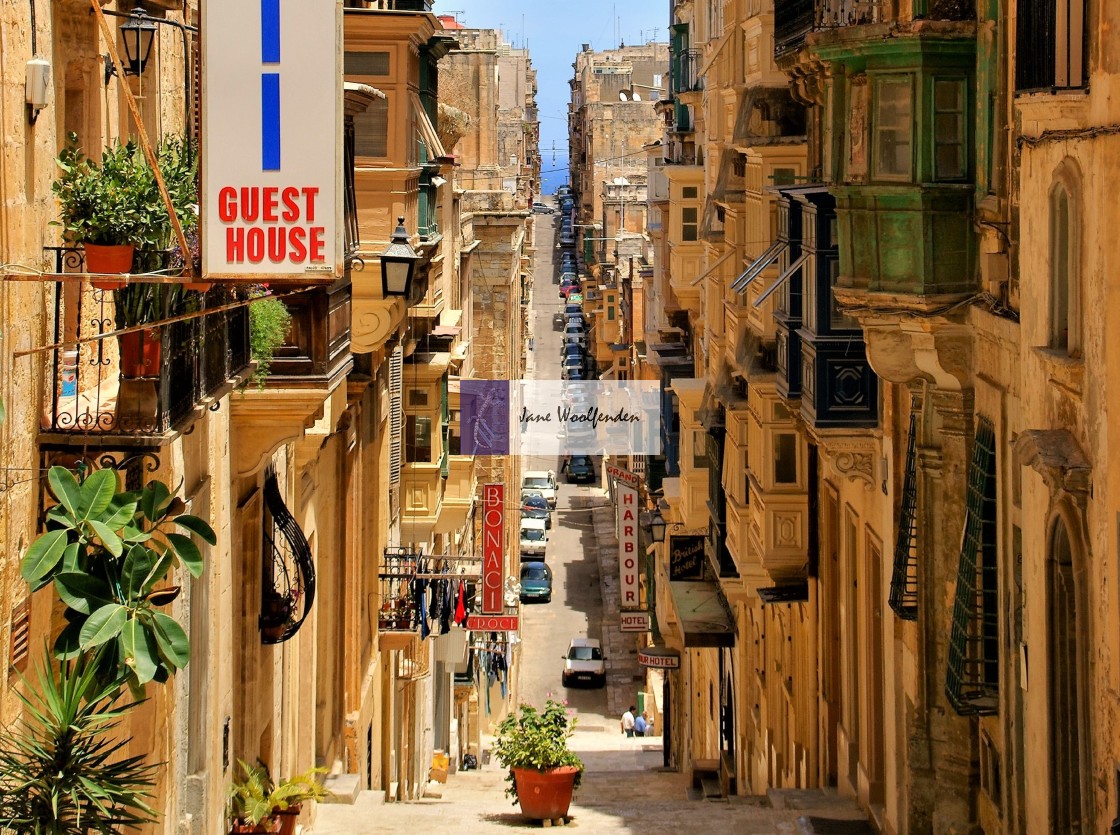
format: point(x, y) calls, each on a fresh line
point(543, 481)
point(534, 538)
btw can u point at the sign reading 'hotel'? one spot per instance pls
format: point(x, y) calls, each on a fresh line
point(272, 139)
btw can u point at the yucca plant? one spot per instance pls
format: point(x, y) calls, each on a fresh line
point(62, 769)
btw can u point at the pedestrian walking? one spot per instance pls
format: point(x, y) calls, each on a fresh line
point(640, 725)
point(628, 721)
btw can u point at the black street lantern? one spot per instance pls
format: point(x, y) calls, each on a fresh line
point(657, 526)
point(398, 264)
point(138, 35)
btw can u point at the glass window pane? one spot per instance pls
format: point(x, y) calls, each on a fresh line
point(892, 127)
point(785, 458)
point(949, 129)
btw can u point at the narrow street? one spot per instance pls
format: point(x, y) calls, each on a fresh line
point(624, 786)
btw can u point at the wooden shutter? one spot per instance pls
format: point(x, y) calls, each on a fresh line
point(21, 635)
point(396, 414)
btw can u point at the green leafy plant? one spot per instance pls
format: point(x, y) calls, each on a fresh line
point(61, 766)
point(303, 787)
point(254, 798)
point(269, 323)
point(536, 739)
point(118, 201)
point(108, 553)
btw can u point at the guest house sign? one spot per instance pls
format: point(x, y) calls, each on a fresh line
point(272, 139)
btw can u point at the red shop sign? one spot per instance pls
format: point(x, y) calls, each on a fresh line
point(493, 541)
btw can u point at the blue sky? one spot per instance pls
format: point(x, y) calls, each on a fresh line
point(554, 32)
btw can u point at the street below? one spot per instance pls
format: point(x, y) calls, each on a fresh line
point(625, 788)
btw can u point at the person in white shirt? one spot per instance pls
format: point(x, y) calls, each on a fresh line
point(628, 721)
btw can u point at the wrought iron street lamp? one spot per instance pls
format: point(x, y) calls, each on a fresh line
point(398, 264)
point(138, 35)
point(655, 522)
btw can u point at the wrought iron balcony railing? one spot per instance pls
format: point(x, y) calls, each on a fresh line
point(106, 378)
point(400, 610)
point(687, 65)
point(793, 20)
point(288, 587)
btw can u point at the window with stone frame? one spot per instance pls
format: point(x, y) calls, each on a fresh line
point(418, 439)
point(1051, 45)
point(1065, 273)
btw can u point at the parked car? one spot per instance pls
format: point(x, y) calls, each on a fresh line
point(571, 349)
point(536, 582)
point(533, 537)
point(544, 481)
point(571, 308)
point(573, 370)
point(535, 506)
point(559, 321)
point(584, 662)
point(543, 209)
point(575, 329)
point(580, 469)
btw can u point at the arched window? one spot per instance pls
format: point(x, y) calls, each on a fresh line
point(1065, 265)
point(1067, 689)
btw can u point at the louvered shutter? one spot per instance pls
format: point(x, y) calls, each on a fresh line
point(396, 414)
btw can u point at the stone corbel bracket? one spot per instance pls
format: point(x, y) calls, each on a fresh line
point(263, 420)
point(374, 322)
point(1059, 459)
point(853, 458)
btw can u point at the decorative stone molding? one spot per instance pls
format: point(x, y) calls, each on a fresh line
point(263, 420)
point(902, 348)
point(852, 458)
point(374, 322)
point(1057, 456)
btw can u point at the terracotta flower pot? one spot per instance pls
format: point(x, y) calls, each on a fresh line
point(545, 795)
point(106, 260)
point(288, 818)
point(140, 353)
point(198, 286)
point(267, 827)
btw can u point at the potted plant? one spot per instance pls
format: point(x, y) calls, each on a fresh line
point(251, 801)
point(269, 323)
point(543, 771)
point(296, 791)
point(257, 805)
point(98, 205)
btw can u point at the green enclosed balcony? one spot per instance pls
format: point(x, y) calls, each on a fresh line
point(903, 154)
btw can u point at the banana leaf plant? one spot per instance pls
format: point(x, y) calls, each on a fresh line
point(109, 554)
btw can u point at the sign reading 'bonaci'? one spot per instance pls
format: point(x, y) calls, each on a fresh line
point(271, 139)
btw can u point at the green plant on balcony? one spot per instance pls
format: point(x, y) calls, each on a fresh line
point(109, 554)
point(117, 202)
point(269, 323)
point(61, 766)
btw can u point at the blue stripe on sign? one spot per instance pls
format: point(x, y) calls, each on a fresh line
point(270, 31)
point(270, 121)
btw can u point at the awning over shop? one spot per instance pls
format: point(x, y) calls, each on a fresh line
point(704, 615)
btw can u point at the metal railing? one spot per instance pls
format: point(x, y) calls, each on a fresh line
point(141, 382)
point(793, 20)
point(687, 65)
